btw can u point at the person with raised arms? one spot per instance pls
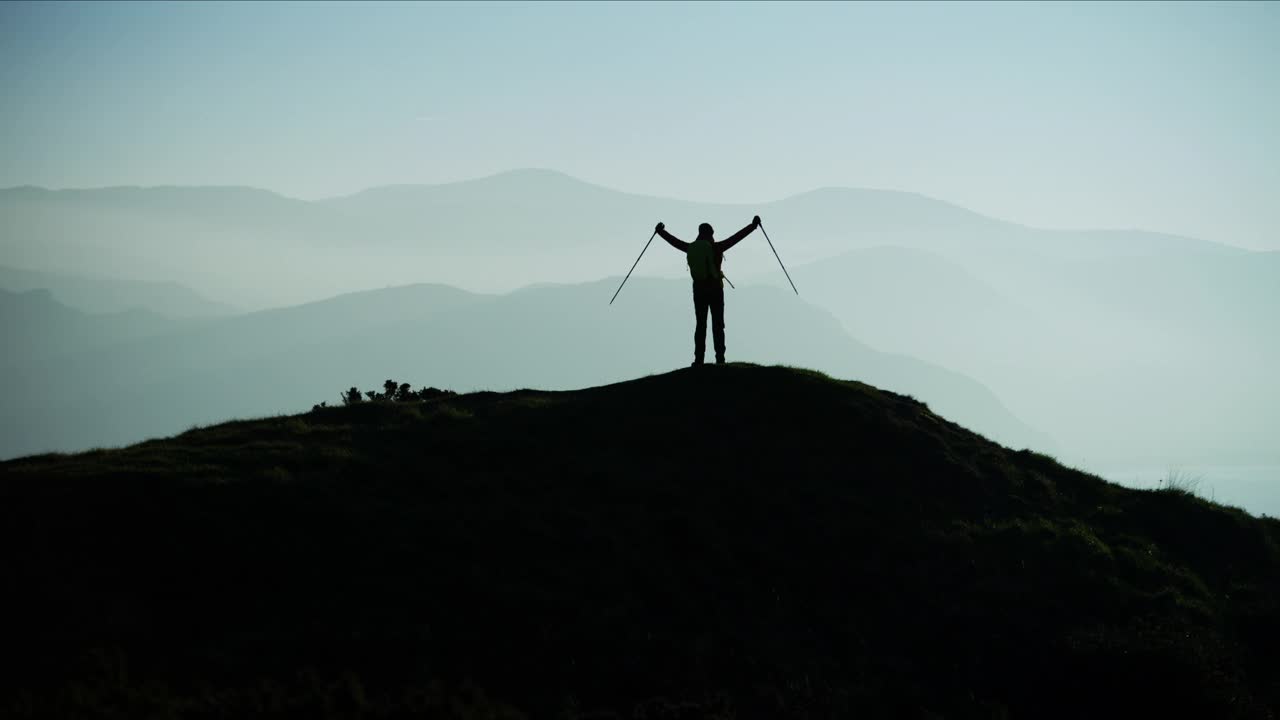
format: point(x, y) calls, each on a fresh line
point(704, 256)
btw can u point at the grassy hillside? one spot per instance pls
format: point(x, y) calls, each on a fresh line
point(797, 547)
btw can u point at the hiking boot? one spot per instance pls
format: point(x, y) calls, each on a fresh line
point(697, 363)
point(719, 359)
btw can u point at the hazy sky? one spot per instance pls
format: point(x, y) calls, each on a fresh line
point(1159, 116)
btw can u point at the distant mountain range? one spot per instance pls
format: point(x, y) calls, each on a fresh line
point(1120, 345)
point(252, 247)
point(37, 328)
point(111, 295)
point(1164, 358)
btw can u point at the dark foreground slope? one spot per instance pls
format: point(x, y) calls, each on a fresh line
point(730, 542)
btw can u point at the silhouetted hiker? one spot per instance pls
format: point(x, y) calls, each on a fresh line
point(705, 256)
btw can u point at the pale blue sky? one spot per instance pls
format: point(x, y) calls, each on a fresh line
point(1159, 116)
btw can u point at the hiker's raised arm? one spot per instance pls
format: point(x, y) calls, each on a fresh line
point(672, 240)
point(737, 237)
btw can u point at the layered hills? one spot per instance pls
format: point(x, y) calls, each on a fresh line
point(254, 248)
point(1128, 349)
point(554, 337)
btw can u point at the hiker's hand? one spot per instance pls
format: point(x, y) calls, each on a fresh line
point(658, 228)
point(756, 221)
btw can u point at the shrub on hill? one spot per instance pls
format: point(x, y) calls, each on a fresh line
point(391, 392)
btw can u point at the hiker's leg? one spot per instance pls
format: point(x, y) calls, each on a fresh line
point(700, 322)
point(716, 301)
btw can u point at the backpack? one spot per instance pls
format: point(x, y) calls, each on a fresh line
point(701, 257)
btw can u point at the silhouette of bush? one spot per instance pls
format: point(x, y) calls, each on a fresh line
point(430, 393)
point(391, 392)
point(405, 393)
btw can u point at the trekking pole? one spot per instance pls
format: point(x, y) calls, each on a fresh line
point(633, 267)
point(775, 254)
point(726, 279)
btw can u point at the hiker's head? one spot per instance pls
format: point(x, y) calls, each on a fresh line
point(704, 230)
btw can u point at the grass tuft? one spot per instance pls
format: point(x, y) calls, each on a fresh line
point(1177, 482)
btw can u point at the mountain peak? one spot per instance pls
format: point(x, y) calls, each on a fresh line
point(699, 539)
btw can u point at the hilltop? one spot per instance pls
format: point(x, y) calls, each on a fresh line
point(728, 542)
point(554, 337)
